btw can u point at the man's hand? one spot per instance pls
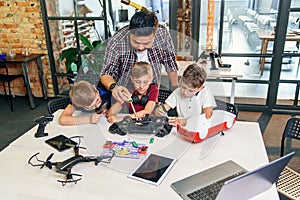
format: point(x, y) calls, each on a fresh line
point(121, 94)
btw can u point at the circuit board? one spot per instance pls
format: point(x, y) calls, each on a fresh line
point(125, 149)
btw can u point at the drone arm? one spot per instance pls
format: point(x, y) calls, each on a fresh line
point(71, 162)
point(103, 158)
point(67, 165)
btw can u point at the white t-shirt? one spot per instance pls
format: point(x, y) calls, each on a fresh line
point(142, 56)
point(192, 106)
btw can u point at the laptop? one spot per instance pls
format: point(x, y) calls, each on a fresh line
point(230, 181)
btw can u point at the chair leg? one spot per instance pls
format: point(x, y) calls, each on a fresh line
point(10, 97)
point(4, 88)
point(298, 67)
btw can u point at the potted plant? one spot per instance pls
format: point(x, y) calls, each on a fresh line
point(71, 56)
point(84, 64)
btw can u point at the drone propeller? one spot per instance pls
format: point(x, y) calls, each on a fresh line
point(47, 163)
point(76, 146)
point(70, 179)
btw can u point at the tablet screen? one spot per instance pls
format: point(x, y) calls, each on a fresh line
point(61, 142)
point(153, 169)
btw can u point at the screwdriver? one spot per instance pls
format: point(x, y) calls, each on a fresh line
point(130, 101)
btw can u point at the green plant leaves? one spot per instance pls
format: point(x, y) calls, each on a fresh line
point(86, 42)
point(70, 55)
point(96, 43)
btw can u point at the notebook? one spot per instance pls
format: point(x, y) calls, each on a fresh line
point(239, 184)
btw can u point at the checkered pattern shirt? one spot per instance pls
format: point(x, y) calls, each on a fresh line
point(120, 56)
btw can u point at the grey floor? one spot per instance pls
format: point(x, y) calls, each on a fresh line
point(14, 124)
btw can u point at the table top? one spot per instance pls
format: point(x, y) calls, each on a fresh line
point(242, 143)
point(269, 35)
point(218, 73)
point(22, 59)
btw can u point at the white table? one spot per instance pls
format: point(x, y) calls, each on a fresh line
point(242, 143)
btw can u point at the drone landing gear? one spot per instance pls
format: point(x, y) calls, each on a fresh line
point(70, 179)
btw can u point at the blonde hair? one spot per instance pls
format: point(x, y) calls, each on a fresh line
point(83, 93)
point(140, 69)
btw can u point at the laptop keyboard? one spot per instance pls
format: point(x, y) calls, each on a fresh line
point(211, 191)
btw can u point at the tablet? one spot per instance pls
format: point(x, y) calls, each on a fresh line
point(61, 142)
point(153, 169)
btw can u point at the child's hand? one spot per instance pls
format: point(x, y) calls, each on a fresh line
point(173, 121)
point(113, 119)
point(160, 110)
point(94, 118)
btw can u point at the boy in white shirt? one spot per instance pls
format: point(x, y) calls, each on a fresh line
point(192, 98)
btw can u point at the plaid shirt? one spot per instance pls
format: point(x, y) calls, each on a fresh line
point(120, 56)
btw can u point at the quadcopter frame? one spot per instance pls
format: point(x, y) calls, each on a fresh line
point(65, 167)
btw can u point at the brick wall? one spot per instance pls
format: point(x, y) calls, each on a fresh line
point(21, 25)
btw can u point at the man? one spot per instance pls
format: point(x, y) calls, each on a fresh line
point(143, 40)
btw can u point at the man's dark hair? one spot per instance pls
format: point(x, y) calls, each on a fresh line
point(143, 23)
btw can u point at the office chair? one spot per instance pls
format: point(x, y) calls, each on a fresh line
point(288, 182)
point(56, 104)
point(6, 77)
point(162, 96)
point(222, 105)
point(92, 78)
